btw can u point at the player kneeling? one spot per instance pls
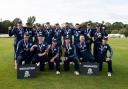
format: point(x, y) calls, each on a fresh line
point(70, 56)
point(102, 55)
point(83, 52)
point(23, 50)
point(53, 56)
point(40, 50)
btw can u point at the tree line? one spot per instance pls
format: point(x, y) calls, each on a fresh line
point(112, 28)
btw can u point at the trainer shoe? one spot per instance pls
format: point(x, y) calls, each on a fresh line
point(57, 72)
point(76, 73)
point(109, 74)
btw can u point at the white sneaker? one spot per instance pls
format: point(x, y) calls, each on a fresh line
point(38, 64)
point(76, 73)
point(57, 72)
point(109, 74)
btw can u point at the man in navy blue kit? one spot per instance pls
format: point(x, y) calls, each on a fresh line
point(53, 56)
point(23, 50)
point(88, 35)
point(102, 55)
point(37, 30)
point(67, 31)
point(18, 33)
point(70, 56)
point(83, 52)
point(58, 34)
point(98, 36)
point(77, 32)
point(40, 50)
point(28, 29)
point(48, 33)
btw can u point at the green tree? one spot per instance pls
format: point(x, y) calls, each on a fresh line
point(117, 25)
point(124, 31)
point(4, 26)
point(31, 20)
point(114, 32)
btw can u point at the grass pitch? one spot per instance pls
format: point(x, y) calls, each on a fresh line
point(67, 80)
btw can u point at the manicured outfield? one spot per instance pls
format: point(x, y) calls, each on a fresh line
point(67, 80)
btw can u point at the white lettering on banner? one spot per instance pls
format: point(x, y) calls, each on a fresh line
point(93, 66)
point(28, 68)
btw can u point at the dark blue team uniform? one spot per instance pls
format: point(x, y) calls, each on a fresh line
point(18, 34)
point(87, 33)
point(29, 31)
point(70, 54)
point(41, 48)
point(48, 34)
point(23, 52)
point(36, 32)
point(84, 52)
point(98, 36)
point(53, 51)
point(57, 35)
point(67, 32)
point(76, 34)
point(102, 55)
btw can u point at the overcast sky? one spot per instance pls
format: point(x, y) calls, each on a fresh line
point(65, 10)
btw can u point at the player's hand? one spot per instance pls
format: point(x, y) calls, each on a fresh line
point(9, 28)
point(108, 59)
point(88, 35)
point(34, 45)
point(81, 59)
point(66, 58)
point(52, 60)
point(26, 49)
point(40, 55)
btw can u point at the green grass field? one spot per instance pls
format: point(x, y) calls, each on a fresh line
point(67, 80)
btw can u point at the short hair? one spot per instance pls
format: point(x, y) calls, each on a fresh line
point(81, 35)
point(77, 24)
point(67, 23)
point(47, 22)
point(56, 24)
point(88, 24)
point(38, 24)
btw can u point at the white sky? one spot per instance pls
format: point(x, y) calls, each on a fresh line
point(65, 10)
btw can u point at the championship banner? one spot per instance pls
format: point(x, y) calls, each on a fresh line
point(89, 68)
point(26, 71)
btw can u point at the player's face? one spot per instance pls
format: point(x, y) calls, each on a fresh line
point(48, 25)
point(37, 27)
point(77, 26)
point(19, 25)
point(98, 29)
point(88, 26)
point(40, 38)
point(57, 26)
point(26, 38)
point(66, 25)
point(67, 41)
point(82, 38)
